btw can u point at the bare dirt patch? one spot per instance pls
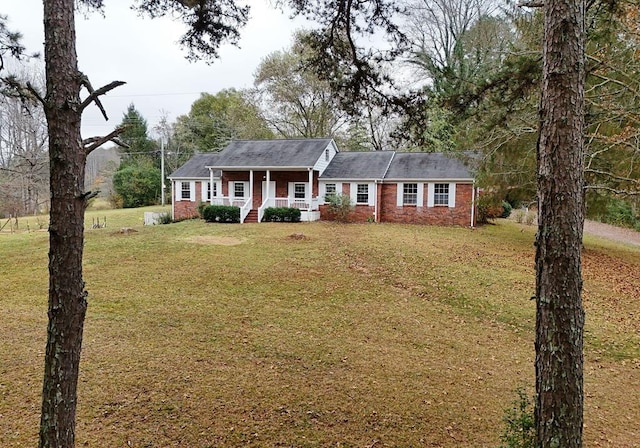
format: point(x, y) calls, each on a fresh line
point(124, 231)
point(215, 240)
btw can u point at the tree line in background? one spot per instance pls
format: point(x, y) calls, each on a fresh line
point(469, 79)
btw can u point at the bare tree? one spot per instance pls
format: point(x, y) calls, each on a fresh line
point(559, 312)
point(293, 100)
point(23, 155)
point(452, 41)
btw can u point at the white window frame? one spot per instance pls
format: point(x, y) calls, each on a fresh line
point(299, 194)
point(183, 190)
point(450, 197)
point(410, 198)
point(358, 193)
point(323, 190)
point(353, 193)
point(441, 198)
point(233, 190)
point(334, 187)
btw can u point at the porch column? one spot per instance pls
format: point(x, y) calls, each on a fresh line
point(310, 192)
point(251, 188)
point(268, 184)
point(222, 187)
point(211, 186)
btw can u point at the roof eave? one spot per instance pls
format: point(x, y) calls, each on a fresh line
point(260, 168)
point(430, 179)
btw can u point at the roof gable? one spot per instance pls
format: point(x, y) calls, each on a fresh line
point(290, 153)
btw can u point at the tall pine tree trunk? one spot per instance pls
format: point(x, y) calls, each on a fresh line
point(67, 297)
point(559, 315)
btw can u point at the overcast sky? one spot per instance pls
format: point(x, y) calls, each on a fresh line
point(144, 53)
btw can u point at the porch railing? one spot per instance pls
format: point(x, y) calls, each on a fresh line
point(302, 204)
point(243, 203)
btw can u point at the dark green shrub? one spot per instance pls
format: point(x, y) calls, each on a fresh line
point(137, 185)
point(281, 214)
point(221, 213)
point(519, 430)
point(506, 209)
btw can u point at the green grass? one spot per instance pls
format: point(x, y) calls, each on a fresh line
point(206, 335)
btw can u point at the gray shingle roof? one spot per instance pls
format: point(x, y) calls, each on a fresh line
point(358, 165)
point(294, 153)
point(423, 165)
point(195, 167)
point(304, 153)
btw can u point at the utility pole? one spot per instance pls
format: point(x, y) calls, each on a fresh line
point(162, 170)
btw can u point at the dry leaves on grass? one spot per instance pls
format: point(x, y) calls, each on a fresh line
point(215, 240)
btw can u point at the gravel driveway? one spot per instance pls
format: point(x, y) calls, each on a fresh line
point(612, 232)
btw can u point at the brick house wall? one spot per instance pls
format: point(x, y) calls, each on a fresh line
point(388, 211)
point(185, 209)
point(460, 215)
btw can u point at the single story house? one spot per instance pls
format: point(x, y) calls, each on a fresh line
point(384, 186)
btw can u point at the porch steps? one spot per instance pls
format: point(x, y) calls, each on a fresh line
point(252, 216)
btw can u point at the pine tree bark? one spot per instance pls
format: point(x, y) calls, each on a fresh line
point(67, 297)
point(559, 314)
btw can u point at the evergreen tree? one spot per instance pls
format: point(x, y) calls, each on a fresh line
point(140, 148)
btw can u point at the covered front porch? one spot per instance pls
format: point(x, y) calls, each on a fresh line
point(254, 191)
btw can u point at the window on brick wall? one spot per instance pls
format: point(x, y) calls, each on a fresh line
point(185, 191)
point(441, 194)
point(410, 194)
point(362, 194)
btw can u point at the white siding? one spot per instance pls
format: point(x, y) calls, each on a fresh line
point(322, 162)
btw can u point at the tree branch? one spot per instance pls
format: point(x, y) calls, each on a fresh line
point(613, 190)
point(531, 4)
point(92, 143)
point(614, 176)
point(95, 94)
